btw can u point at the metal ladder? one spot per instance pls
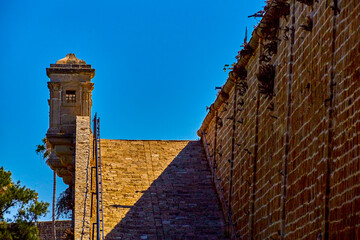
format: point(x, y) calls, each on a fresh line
point(99, 186)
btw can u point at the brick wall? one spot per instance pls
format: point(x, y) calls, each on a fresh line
point(45, 229)
point(344, 197)
point(289, 164)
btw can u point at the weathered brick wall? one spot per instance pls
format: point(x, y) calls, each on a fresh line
point(344, 197)
point(291, 163)
point(46, 231)
point(245, 132)
point(309, 124)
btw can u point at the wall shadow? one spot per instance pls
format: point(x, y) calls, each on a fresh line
point(180, 204)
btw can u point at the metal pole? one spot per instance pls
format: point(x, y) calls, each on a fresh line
point(100, 185)
point(97, 179)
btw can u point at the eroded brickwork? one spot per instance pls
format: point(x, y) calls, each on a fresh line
point(295, 164)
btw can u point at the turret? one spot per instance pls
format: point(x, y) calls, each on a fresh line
point(70, 96)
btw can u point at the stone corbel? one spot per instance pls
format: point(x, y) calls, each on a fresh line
point(54, 161)
point(87, 86)
point(67, 160)
point(53, 86)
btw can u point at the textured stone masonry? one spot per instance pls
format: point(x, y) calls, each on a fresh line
point(159, 190)
point(83, 164)
point(151, 190)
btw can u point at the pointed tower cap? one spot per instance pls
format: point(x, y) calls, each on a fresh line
point(70, 65)
point(71, 59)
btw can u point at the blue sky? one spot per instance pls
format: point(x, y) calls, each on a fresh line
point(157, 64)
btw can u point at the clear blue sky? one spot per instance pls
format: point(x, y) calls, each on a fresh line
point(157, 63)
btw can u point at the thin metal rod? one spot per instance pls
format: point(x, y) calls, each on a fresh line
point(101, 185)
point(97, 180)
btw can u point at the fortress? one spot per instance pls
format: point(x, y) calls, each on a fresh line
point(279, 155)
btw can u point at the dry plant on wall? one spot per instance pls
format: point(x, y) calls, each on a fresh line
point(308, 25)
point(287, 31)
point(264, 58)
point(307, 2)
point(242, 87)
point(266, 77)
point(269, 32)
point(271, 48)
point(219, 122)
point(246, 51)
point(280, 9)
point(240, 72)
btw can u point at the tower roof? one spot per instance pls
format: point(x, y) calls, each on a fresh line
point(71, 59)
point(70, 65)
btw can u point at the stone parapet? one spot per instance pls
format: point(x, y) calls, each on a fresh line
point(46, 229)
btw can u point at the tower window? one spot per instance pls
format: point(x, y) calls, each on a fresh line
point(70, 96)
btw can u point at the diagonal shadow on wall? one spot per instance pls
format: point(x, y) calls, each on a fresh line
point(180, 204)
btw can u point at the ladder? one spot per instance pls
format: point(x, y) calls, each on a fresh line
point(99, 186)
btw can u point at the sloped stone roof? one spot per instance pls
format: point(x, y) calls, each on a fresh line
point(159, 190)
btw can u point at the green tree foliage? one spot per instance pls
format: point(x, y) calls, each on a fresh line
point(65, 204)
point(14, 196)
point(42, 149)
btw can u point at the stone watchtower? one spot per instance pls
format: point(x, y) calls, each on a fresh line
point(70, 96)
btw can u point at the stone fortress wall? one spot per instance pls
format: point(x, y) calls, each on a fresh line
point(287, 156)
